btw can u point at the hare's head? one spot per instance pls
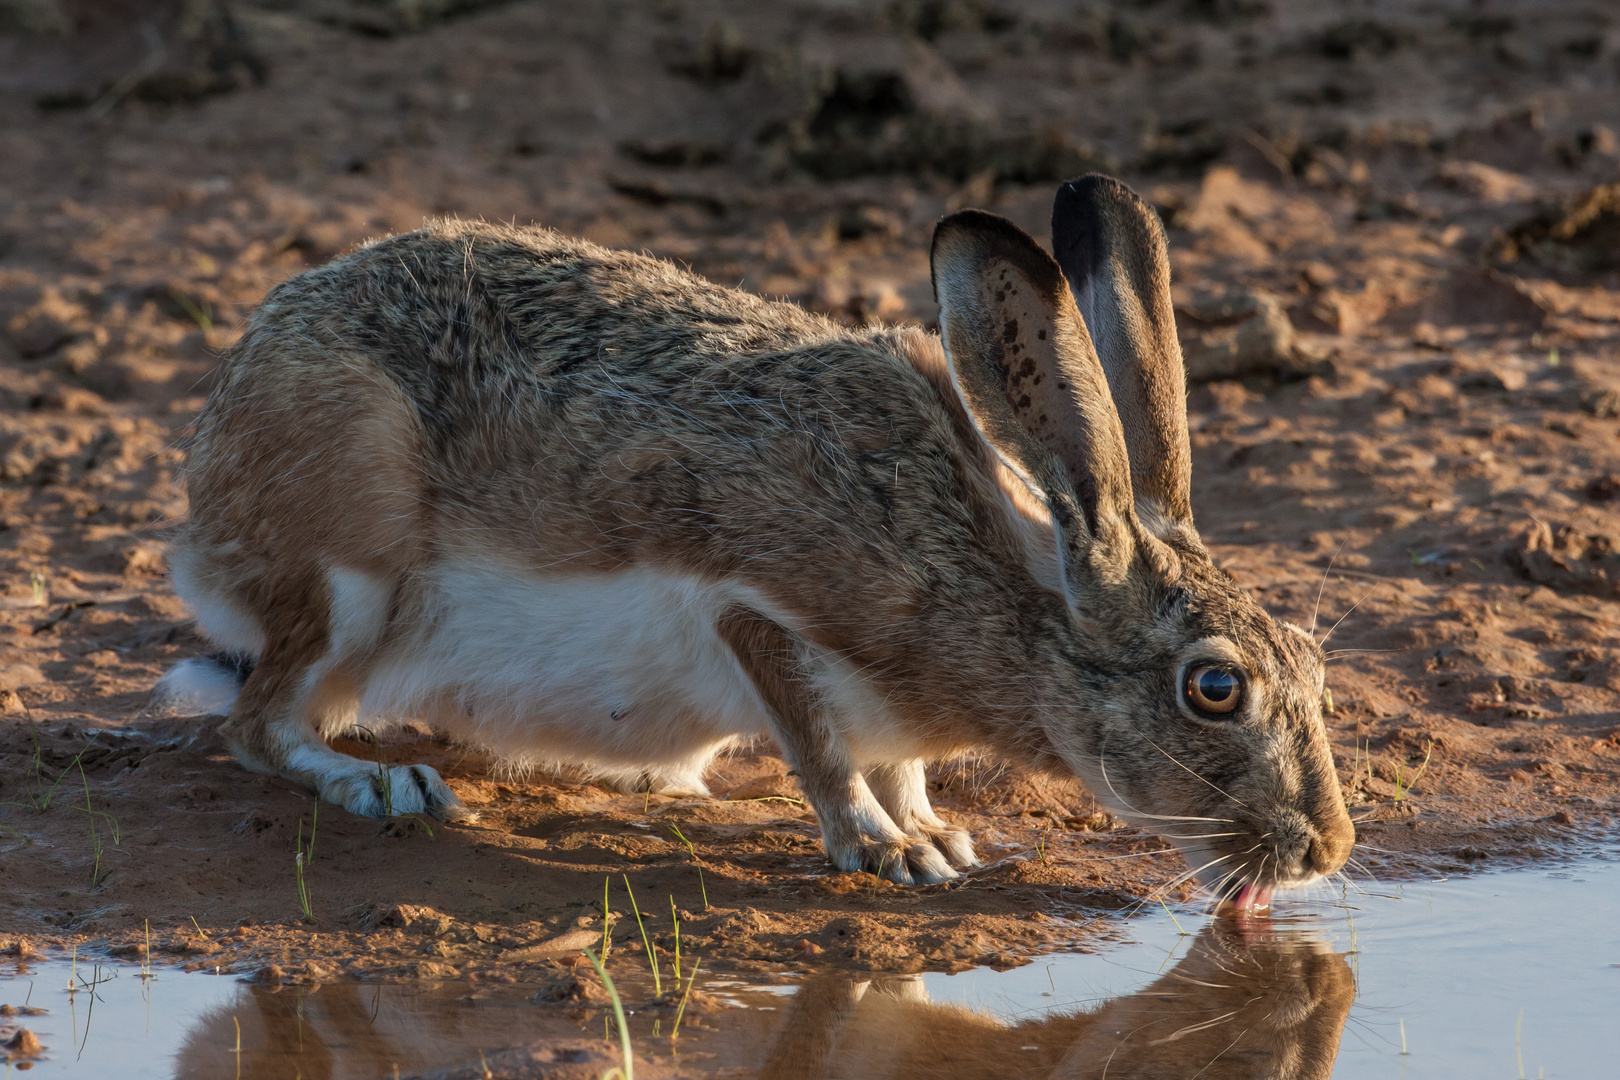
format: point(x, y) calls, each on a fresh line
point(1183, 704)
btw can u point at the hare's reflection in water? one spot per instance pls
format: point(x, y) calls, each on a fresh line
point(1238, 1005)
point(1228, 1011)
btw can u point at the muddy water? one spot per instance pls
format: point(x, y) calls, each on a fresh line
point(1508, 974)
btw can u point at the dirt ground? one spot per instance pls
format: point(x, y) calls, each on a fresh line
point(1398, 270)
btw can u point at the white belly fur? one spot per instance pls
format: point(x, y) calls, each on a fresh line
point(623, 673)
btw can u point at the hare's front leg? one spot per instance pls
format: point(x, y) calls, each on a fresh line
point(857, 831)
point(902, 789)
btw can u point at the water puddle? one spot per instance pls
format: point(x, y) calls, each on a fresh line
point(1508, 974)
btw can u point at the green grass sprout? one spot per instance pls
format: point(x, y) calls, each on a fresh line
point(628, 1070)
point(1173, 918)
point(1403, 786)
point(385, 776)
point(95, 837)
point(652, 961)
point(696, 861)
point(675, 916)
point(302, 859)
point(877, 878)
point(198, 313)
point(680, 1010)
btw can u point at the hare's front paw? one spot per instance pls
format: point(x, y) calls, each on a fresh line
point(955, 843)
point(388, 790)
point(908, 861)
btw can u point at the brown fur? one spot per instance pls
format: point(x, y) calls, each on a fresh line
point(960, 532)
point(1230, 1009)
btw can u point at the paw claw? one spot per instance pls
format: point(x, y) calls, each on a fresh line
point(956, 845)
point(911, 861)
point(392, 790)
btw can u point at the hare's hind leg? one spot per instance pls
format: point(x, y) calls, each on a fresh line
point(857, 832)
point(902, 789)
point(305, 686)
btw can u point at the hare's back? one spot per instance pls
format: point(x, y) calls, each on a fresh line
point(636, 410)
point(462, 302)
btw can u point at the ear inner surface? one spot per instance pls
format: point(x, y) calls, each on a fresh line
point(1112, 250)
point(1024, 364)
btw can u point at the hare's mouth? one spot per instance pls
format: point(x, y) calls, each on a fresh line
point(1251, 896)
point(1251, 892)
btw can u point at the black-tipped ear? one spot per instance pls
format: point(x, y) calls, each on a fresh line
point(1112, 251)
point(1025, 368)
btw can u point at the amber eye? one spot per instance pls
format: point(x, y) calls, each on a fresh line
point(1215, 690)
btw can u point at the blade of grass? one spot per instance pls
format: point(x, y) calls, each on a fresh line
point(1401, 793)
point(1172, 915)
point(628, 1068)
point(696, 861)
point(675, 916)
point(681, 1009)
point(95, 838)
point(302, 860)
point(652, 961)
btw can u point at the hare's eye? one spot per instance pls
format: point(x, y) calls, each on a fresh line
point(1216, 690)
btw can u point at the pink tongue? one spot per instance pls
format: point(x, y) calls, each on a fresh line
point(1252, 898)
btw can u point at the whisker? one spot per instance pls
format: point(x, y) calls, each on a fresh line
point(1346, 615)
point(1218, 891)
point(1179, 878)
point(1217, 1057)
point(1166, 753)
point(1317, 610)
point(1102, 763)
point(1130, 855)
point(1192, 1029)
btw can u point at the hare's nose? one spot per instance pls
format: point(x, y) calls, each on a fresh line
point(1330, 848)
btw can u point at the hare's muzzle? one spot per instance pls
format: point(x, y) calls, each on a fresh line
point(1330, 848)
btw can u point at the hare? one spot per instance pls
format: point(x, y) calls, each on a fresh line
point(581, 508)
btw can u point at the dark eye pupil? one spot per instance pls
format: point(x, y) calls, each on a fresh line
point(1216, 686)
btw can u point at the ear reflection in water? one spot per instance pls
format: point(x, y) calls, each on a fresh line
point(1238, 1006)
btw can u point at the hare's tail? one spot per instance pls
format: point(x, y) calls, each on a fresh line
point(203, 685)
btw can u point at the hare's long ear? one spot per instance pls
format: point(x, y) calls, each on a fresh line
point(1111, 247)
point(1024, 366)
